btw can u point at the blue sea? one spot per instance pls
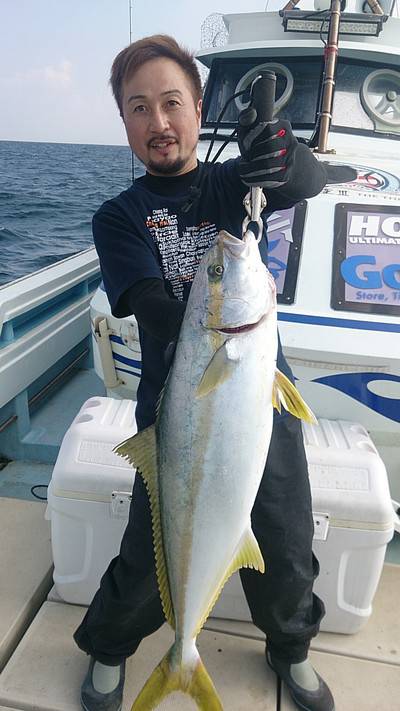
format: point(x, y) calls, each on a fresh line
point(48, 194)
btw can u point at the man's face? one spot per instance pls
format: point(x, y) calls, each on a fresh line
point(161, 119)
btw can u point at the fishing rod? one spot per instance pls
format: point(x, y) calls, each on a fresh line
point(262, 98)
point(130, 42)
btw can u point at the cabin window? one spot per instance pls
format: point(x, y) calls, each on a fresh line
point(367, 97)
point(347, 107)
point(299, 78)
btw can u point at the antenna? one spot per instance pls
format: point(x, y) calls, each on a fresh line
point(130, 42)
point(394, 6)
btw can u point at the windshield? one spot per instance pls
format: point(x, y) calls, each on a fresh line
point(367, 95)
point(296, 88)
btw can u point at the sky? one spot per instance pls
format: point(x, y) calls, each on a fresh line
point(56, 55)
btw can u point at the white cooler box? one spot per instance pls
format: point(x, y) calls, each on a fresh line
point(90, 491)
point(89, 496)
point(353, 522)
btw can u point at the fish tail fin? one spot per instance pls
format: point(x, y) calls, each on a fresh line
point(174, 674)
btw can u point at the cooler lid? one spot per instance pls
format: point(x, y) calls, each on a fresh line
point(86, 466)
point(94, 474)
point(348, 477)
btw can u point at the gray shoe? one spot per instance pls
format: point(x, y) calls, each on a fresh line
point(319, 700)
point(92, 700)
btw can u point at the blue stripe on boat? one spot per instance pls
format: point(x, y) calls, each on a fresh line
point(355, 385)
point(339, 322)
point(127, 361)
point(129, 372)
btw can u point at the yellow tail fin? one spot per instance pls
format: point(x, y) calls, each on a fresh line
point(192, 679)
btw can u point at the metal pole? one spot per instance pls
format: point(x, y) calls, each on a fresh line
point(291, 4)
point(375, 7)
point(331, 51)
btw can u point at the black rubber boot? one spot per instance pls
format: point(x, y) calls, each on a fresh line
point(319, 700)
point(93, 700)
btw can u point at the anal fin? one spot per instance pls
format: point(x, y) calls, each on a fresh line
point(248, 555)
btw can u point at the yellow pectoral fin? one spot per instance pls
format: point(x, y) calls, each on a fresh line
point(276, 403)
point(141, 451)
point(218, 370)
point(285, 393)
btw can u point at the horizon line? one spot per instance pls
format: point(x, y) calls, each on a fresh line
point(65, 143)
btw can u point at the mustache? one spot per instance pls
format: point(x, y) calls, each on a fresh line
point(162, 137)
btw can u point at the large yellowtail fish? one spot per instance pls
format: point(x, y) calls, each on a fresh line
point(203, 460)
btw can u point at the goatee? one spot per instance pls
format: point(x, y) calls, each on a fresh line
point(167, 168)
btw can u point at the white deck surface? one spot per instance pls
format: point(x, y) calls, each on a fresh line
point(25, 568)
point(46, 669)
point(357, 685)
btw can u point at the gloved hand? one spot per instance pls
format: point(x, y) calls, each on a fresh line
point(267, 150)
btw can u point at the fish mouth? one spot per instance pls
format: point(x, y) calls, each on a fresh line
point(244, 328)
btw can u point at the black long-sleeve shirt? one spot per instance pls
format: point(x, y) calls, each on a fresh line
point(149, 249)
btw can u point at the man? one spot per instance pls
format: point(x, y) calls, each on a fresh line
point(150, 240)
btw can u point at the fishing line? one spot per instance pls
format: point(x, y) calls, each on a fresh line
point(217, 126)
point(224, 145)
point(195, 188)
point(130, 42)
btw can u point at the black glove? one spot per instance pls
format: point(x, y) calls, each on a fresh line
point(267, 150)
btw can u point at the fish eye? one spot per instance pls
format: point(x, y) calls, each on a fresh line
point(215, 271)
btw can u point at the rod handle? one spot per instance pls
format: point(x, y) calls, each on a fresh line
point(263, 95)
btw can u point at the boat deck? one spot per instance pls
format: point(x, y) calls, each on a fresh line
point(42, 670)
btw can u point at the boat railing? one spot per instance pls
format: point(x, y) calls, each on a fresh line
point(44, 332)
point(23, 300)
